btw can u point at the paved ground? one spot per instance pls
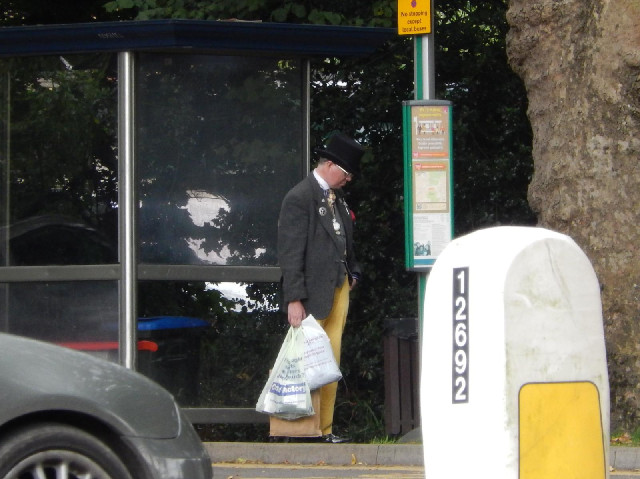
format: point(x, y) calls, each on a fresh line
point(316, 454)
point(291, 471)
point(264, 471)
point(362, 461)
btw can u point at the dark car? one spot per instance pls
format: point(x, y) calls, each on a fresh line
point(67, 415)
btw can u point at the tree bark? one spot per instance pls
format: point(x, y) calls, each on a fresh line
point(580, 62)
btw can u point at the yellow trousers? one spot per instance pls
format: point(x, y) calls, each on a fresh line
point(333, 326)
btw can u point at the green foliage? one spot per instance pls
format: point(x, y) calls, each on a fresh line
point(65, 172)
point(492, 136)
point(42, 12)
point(224, 132)
point(380, 13)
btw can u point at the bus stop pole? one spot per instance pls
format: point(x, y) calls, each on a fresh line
point(424, 89)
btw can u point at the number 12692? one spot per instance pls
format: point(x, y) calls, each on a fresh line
point(460, 316)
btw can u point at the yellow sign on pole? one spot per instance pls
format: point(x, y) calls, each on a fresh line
point(414, 17)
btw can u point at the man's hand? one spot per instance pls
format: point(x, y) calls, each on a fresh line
point(296, 313)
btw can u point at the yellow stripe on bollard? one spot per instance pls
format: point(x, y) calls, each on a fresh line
point(561, 431)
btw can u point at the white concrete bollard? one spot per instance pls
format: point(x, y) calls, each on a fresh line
point(514, 379)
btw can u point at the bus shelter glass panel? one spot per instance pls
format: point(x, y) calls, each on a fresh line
point(58, 160)
point(81, 315)
point(210, 344)
point(218, 141)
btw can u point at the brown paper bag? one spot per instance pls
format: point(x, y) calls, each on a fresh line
point(308, 426)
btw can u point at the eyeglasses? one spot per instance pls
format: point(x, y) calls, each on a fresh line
point(346, 173)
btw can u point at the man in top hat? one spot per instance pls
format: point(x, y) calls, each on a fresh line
point(316, 253)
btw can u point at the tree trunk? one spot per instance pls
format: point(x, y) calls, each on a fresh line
point(580, 62)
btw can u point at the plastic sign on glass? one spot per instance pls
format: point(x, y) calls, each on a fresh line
point(414, 17)
point(428, 181)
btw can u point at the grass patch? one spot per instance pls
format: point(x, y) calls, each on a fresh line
point(631, 439)
point(384, 440)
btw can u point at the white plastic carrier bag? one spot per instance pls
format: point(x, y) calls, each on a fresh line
point(320, 365)
point(286, 394)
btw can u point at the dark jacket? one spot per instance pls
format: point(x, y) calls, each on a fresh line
point(311, 256)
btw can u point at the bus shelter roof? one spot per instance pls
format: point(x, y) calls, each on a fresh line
point(217, 37)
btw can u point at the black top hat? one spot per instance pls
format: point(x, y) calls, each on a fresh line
point(343, 151)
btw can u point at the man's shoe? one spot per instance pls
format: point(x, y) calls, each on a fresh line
point(333, 439)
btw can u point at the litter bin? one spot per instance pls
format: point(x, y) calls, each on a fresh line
point(401, 375)
point(176, 361)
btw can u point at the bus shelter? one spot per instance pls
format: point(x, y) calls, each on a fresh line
point(142, 167)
